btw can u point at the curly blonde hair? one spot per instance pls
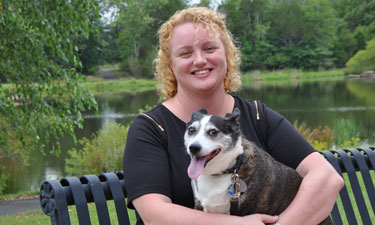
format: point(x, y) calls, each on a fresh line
point(212, 22)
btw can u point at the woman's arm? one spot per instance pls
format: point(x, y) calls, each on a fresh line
point(317, 193)
point(156, 209)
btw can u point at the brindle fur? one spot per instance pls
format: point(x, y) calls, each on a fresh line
point(271, 185)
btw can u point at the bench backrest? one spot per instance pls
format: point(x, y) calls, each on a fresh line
point(55, 196)
point(356, 165)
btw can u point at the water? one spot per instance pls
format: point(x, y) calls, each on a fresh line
point(315, 103)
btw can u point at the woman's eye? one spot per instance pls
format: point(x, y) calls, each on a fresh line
point(185, 54)
point(210, 49)
point(212, 132)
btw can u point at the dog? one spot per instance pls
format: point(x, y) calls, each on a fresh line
point(231, 174)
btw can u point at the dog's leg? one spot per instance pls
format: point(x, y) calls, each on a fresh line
point(198, 205)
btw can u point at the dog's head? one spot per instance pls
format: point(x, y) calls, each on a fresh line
point(212, 142)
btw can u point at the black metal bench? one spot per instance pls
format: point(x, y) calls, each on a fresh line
point(55, 196)
point(355, 164)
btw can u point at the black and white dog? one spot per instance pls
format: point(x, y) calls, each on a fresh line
point(229, 171)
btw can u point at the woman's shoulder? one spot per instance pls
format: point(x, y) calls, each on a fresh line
point(149, 117)
point(159, 116)
point(255, 107)
point(244, 102)
point(248, 106)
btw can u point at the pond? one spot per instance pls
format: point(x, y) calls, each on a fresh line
point(315, 103)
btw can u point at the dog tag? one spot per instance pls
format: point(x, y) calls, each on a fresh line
point(243, 186)
point(231, 190)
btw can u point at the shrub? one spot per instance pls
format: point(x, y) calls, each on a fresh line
point(363, 60)
point(13, 156)
point(346, 133)
point(102, 153)
point(320, 138)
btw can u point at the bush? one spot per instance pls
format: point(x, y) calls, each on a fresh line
point(346, 133)
point(363, 60)
point(3, 180)
point(13, 156)
point(320, 138)
point(102, 153)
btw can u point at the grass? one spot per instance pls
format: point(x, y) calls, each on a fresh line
point(110, 66)
point(19, 195)
point(292, 74)
point(38, 217)
point(126, 86)
point(290, 77)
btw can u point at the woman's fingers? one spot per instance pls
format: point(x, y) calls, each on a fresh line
point(260, 219)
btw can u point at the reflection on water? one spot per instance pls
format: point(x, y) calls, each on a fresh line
point(315, 103)
point(358, 108)
point(110, 116)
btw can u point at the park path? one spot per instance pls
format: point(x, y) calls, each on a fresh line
point(107, 74)
point(12, 207)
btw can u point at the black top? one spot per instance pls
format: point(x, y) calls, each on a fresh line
point(156, 161)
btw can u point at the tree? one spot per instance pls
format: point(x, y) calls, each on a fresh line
point(43, 98)
point(134, 21)
point(356, 27)
point(245, 19)
point(344, 47)
point(139, 22)
point(110, 45)
point(303, 30)
point(356, 12)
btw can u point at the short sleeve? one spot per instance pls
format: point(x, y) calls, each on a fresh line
point(283, 141)
point(146, 167)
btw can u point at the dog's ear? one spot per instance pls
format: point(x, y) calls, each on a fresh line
point(234, 118)
point(236, 113)
point(198, 114)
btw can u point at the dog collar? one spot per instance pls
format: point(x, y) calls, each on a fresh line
point(237, 165)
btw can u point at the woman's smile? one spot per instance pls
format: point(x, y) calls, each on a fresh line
point(201, 73)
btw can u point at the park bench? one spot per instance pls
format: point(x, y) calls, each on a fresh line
point(355, 165)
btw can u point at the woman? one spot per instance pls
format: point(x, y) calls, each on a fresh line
point(197, 67)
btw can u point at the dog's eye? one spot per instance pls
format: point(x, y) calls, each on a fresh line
point(191, 130)
point(212, 132)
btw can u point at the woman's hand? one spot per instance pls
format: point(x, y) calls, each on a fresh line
point(260, 219)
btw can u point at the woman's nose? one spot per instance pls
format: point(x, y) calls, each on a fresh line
point(199, 59)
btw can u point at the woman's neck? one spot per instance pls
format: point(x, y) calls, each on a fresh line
point(184, 105)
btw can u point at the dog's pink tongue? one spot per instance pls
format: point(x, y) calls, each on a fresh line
point(196, 167)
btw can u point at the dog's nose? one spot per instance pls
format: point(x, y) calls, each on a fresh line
point(194, 148)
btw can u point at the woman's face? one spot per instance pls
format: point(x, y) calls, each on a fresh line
point(198, 61)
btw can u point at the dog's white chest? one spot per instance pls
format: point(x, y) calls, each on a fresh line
point(212, 192)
